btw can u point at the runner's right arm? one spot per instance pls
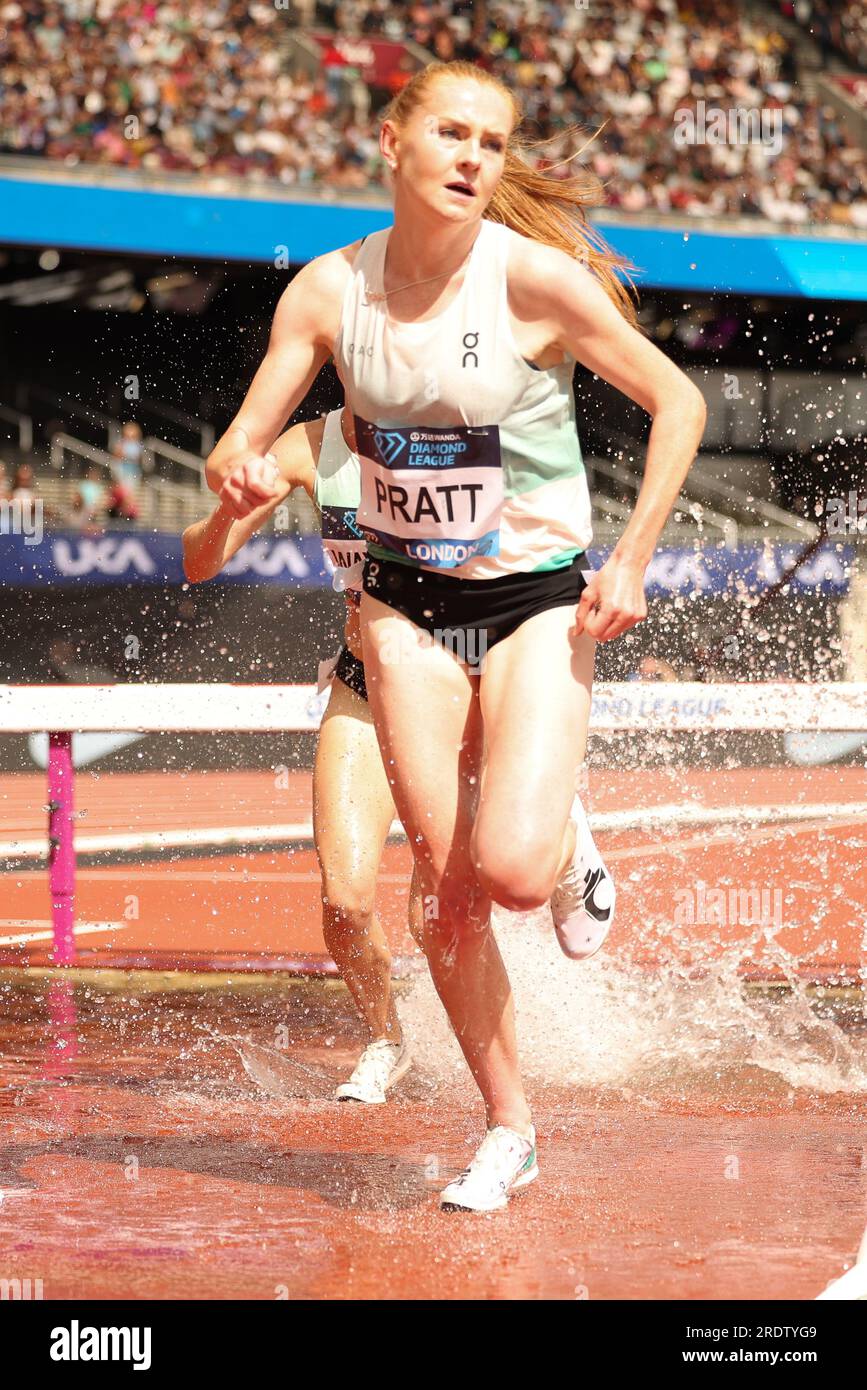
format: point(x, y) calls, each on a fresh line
point(299, 346)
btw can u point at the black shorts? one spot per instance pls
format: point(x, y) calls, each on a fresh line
point(351, 671)
point(480, 612)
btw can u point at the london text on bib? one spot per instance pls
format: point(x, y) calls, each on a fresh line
point(432, 494)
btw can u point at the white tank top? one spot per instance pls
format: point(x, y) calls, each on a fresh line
point(469, 456)
point(336, 487)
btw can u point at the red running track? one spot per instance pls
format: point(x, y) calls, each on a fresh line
point(260, 908)
point(139, 1161)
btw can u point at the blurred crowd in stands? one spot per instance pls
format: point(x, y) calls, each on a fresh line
point(18, 487)
point(212, 86)
point(838, 26)
point(105, 495)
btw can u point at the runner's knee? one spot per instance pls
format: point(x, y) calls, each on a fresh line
point(346, 901)
point(518, 872)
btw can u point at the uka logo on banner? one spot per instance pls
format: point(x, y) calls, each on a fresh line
point(108, 555)
point(156, 558)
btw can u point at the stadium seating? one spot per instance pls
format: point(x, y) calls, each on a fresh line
point(212, 88)
point(838, 26)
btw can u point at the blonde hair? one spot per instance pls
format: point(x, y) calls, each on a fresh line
point(551, 211)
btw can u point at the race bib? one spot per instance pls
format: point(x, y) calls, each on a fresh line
point(344, 545)
point(432, 494)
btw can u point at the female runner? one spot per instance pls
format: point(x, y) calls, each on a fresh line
point(456, 334)
point(352, 803)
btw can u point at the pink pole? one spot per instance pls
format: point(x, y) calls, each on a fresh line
point(62, 1043)
point(61, 851)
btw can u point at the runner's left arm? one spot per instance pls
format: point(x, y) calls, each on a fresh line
point(588, 325)
point(210, 544)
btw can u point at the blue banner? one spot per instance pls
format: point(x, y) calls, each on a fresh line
point(149, 557)
point(285, 230)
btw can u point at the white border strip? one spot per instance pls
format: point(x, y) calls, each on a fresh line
point(245, 835)
point(166, 839)
point(81, 929)
point(718, 815)
point(172, 708)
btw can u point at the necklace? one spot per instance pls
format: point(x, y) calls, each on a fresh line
point(376, 298)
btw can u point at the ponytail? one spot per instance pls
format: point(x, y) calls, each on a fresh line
point(552, 211)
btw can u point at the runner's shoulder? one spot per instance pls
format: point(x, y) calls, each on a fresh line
point(535, 274)
point(323, 282)
point(533, 264)
point(329, 272)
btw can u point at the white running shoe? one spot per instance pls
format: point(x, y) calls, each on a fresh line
point(853, 1284)
point(380, 1066)
point(850, 1287)
point(582, 903)
point(504, 1161)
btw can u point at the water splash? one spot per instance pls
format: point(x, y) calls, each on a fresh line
point(279, 1075)
point(609, 1023)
